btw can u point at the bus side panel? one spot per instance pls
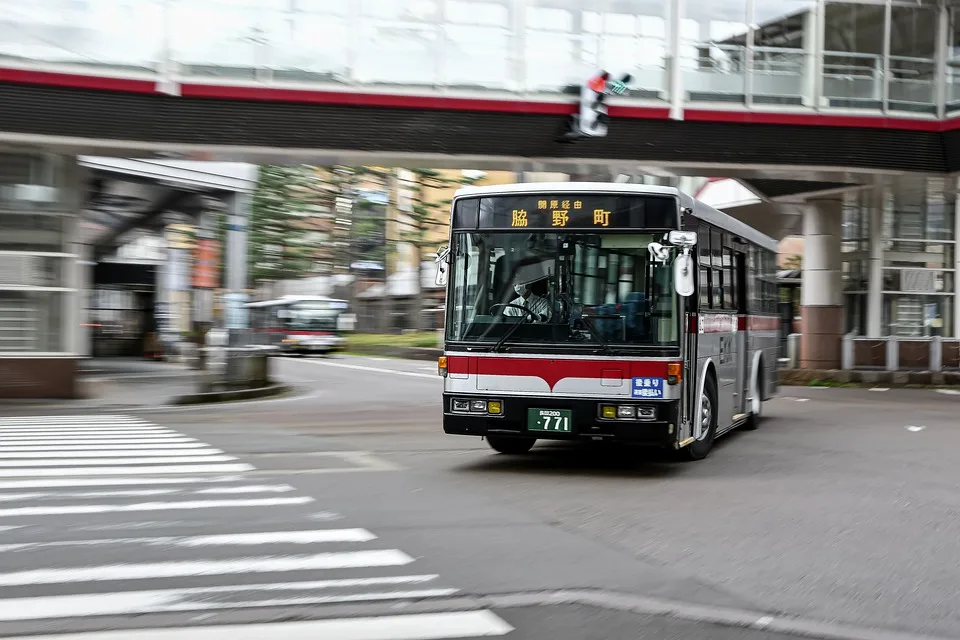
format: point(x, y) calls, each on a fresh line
point(764, 336)
point(717, 340)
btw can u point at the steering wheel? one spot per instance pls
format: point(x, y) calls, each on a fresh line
point(530, 314)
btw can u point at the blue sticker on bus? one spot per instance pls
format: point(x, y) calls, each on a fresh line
point(647, 388)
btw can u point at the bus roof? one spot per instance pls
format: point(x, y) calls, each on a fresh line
point(560, 187)
point(701, 210)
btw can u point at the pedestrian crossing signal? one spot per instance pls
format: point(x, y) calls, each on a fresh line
point(592, 120)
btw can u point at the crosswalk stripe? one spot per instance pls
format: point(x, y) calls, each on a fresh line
point(117, 446)
point(113, 482)
point(187, 568)
point(106, 453)
point(318, 536)
point(119, 471)
point(81, 509)
point(75, 495)
point(72, 440)
point(421, 626)
point(105, 461)
point(84, 431)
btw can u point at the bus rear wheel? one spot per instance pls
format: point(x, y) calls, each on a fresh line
point(510, 446)
point(756, 401)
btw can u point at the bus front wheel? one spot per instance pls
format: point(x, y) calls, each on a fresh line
point(510, 446)
point(706, 429)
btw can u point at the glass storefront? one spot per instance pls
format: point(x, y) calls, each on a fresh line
point(918, 252)
point(35, 262)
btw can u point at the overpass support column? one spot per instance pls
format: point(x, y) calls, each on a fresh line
point(822, 296)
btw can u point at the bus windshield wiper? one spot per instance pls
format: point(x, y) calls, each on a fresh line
point(588, 323)
point(524, 319)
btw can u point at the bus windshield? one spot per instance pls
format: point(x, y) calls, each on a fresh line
point(601, 290)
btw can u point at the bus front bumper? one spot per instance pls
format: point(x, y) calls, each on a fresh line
point(586, 423)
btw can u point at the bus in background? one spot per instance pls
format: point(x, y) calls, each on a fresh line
point(604, 312)
point(303, 324)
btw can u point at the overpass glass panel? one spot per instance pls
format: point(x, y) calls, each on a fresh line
point(713, 50)
point(953, 62)
point(873, 55)
point(784, 52)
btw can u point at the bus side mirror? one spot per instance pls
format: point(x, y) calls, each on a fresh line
point(442, 265)
point(682, 238)
point(683, 270)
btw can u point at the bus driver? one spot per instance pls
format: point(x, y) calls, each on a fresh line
point(532, 287)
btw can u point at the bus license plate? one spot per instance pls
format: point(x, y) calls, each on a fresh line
point(552, 420)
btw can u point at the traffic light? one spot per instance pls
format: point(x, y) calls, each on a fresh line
point(592, 120)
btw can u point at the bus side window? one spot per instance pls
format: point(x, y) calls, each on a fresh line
point(705, 288)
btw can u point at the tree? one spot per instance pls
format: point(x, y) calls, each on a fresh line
point(428, 211)
point(292, 221)
point(793, 262)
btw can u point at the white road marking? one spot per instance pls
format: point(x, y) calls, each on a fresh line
point(233, 539)
point(264, 488)
point(143, 493)
point(82, 462)
point(118, 446)
point(915, 428)
point(39, 431)
point(53, 422)
point(119, 471)
point(111, 439)
point(149, 506)
point(373, 369)
point(186, 568)
point(422, 626)
point(104, 482)
point(879, 389)
point(109, 453)
point(73, 495)
point(948, 392)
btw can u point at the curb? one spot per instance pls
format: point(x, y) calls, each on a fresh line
point(407, 353)
point(230, 396)
point(856, 378)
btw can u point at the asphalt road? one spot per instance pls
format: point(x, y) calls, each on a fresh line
point(346, 501)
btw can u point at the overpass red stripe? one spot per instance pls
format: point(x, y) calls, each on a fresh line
point(77, 81)
point(407, 101)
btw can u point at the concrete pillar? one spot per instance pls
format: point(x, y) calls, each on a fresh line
point(875, 263)
point(822, 296)
point(238, 221)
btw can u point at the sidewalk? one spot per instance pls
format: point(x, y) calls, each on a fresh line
point(117, 384)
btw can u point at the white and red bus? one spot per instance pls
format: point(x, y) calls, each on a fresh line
point(302, 324)
point(604, 312)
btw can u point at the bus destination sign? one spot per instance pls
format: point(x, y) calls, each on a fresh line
point(571, 211)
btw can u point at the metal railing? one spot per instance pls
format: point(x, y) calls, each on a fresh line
point(900, 353)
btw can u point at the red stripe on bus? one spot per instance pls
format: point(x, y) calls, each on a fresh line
point(763, 323)
point(552, 369)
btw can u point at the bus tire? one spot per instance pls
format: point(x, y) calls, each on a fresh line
point(756, 400)
point(699, 449)
point(510, 446)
